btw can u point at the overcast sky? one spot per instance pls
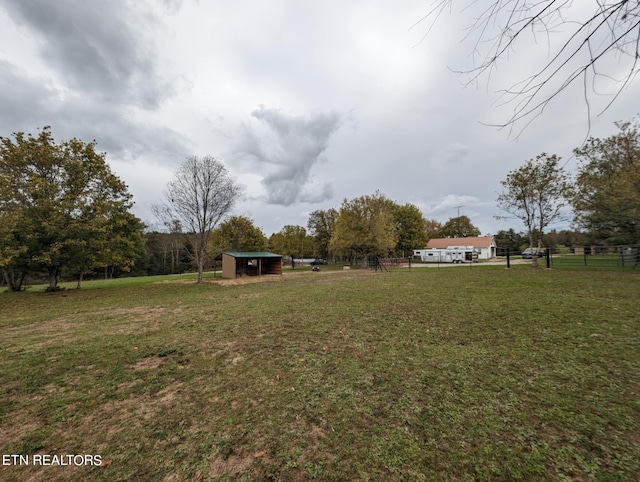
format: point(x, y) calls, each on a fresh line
point(306, 103)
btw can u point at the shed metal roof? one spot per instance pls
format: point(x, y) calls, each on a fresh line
point(253, 254)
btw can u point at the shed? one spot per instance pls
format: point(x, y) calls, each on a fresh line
point(236, 264)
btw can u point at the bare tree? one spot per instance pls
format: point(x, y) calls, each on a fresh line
point(594, 34)
point(200, 195)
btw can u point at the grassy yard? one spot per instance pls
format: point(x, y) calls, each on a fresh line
point(605, 261)
point(422, 374)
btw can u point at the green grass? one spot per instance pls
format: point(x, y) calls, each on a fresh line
point(424, 374)
point(606, 262)
point(125, 282)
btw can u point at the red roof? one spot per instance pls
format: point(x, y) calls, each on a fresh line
point(481, 242)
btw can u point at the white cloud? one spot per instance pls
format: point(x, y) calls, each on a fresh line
point(284, 148)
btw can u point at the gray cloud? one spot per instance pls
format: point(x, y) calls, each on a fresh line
point(107, 71)
point(87, 119)
point(452, 153)
point(450, 203)
point(18, 91)
point(285, 148)
point(103, 49)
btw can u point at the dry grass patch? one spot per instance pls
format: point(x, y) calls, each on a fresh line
point(229, 466)
point(149, 363)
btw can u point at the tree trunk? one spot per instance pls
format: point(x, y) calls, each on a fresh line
point(172, 258)
point(80, 276)
point(14, 280)
point(200, 262)
point(534, 256)
point(54, 277)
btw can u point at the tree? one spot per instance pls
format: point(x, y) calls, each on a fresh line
point(607, 197)
point(432, 228)
point(14, 255)
point(60, 206)
point(510, 240)
point(535, 193)
point(595, 42)
point(291, 241)
point(365, 226)
point(459, 227)
point(200, 195)
point(410, 227)
point(321, 225)
point(566, 238)
point(165, 253)
point(108, 244)
point(238, 233)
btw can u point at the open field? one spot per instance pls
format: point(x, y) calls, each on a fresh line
point(461, 374)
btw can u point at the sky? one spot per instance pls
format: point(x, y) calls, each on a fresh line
point(306, 103)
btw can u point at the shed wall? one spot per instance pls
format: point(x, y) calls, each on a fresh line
point(228, 266)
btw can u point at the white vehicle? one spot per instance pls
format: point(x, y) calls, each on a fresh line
point(451, 254)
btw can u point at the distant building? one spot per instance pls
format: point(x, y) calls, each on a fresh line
point(237, 264)
point(484, 246)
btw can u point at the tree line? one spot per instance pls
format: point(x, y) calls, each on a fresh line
point(64, 214)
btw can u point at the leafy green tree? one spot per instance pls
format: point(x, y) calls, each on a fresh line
point(14, 252)
point(566, 238)
point(607, 197)
point(321, 225)
point(200, 195)
point(459, 227)
point(510, 240)
point(291, 241)
point(365, 226)
point(410, 227)
point(536, 193)
point(432, 228)
point(61, 206)
point(238, 233)
point(110, 244)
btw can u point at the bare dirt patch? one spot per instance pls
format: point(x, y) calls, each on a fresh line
point(149, 363)
point(249, 279)
point(116, 416)
point(231, 465)
point(66, 330)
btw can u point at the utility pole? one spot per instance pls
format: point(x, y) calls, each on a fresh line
point(458, 218)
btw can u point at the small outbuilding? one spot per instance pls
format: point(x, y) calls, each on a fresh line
point(250, 263)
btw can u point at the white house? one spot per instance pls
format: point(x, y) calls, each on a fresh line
point(484, 246)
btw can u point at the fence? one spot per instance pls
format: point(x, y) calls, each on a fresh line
point(376, 262)
point(627, 256)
